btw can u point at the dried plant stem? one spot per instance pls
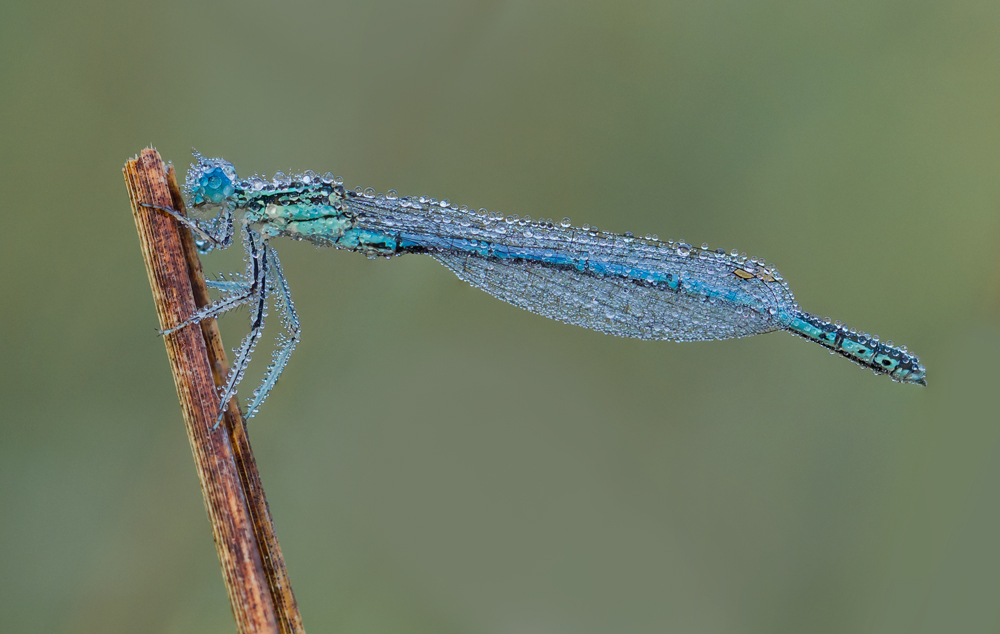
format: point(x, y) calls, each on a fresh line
point(252, 566)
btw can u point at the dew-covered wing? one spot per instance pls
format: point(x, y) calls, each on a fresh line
point(618, 305)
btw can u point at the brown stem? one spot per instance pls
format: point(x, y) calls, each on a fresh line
point(252, 566)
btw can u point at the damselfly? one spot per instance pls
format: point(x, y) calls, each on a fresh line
point(622, 285)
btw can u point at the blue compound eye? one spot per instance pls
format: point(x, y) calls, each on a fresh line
point(210, 181)
point(216, 186)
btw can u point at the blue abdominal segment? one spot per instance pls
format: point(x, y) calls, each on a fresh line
point(863, 349)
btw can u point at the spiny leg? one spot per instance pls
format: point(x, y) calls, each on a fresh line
point(264, 274)
point(263, 277)
point(258, 266)
point(287, 342)
point(228, 286)
point(242, 291)
point(208, 237)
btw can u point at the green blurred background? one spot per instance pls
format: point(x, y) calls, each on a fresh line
point(438, 461)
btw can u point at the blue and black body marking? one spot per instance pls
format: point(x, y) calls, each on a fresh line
point(867, 351)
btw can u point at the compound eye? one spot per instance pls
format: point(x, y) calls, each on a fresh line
point(216, 185)
point(210, 181)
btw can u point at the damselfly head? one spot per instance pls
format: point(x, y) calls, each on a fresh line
point(210, 181)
